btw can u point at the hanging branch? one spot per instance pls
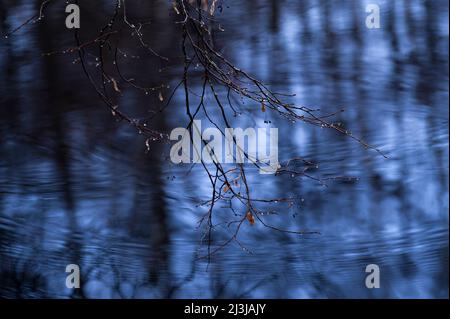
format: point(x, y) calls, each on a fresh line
point(228, 186)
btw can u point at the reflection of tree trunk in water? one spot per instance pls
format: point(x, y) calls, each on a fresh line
point(431, 54)
point(391, 29)
point(55, 107)
point(149, 213)
point(9, 93)
point(303, 7)
point(16, 272)
point(148, 218)
point(430, 29)
point(9, 115)
point(411, 30)
point(274, 15)
point(356, 8)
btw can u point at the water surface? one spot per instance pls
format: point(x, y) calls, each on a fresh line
point(76, 187)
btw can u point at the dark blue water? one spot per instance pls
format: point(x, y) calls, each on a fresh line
point(77, 187)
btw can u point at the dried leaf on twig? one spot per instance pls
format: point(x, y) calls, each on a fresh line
point(250, 218)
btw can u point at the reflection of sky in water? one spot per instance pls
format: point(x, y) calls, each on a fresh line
point(76, 187)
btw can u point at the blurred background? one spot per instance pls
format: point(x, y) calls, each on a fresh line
point(77, 187)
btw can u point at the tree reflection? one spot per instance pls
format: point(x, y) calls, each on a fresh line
point(79, 187)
